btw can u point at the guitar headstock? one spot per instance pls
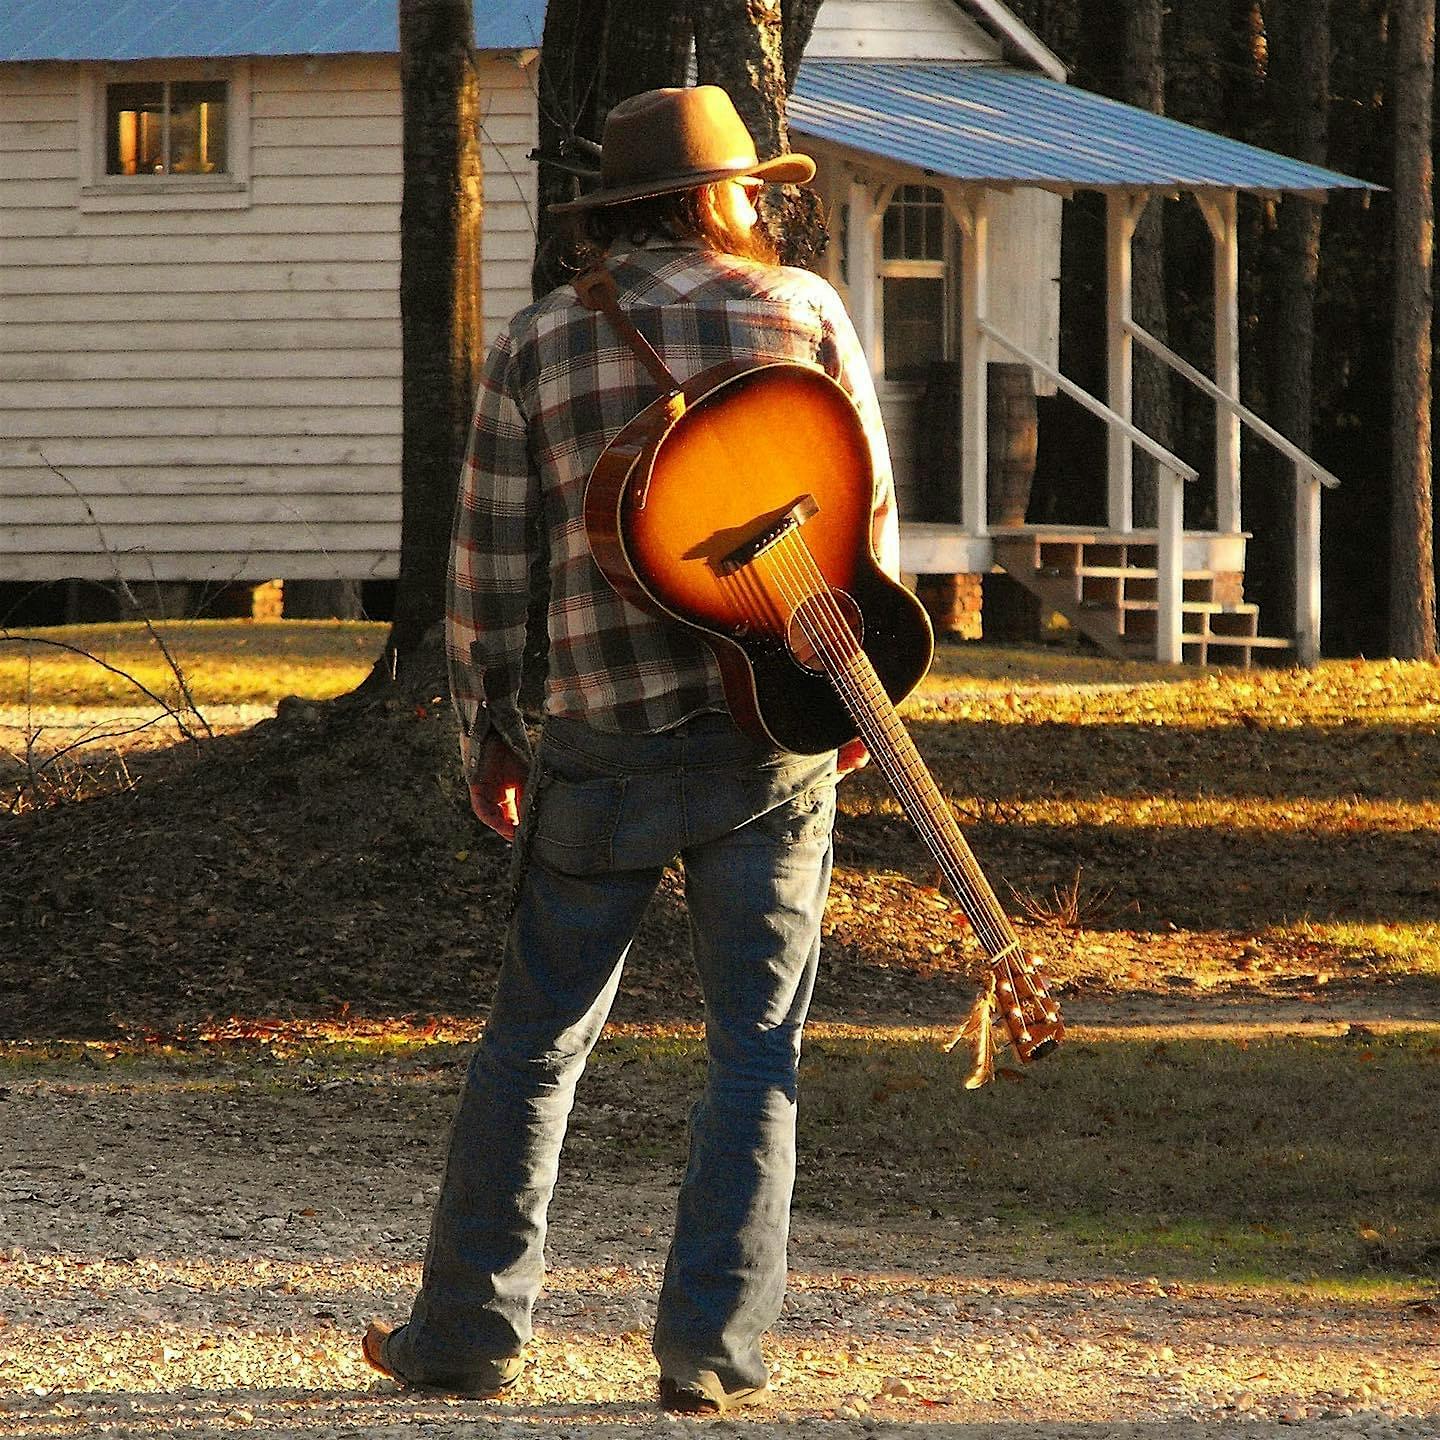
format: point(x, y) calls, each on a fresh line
point(1031, 1017)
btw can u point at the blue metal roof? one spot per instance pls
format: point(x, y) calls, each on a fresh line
point(969, 121)
point(189, 29)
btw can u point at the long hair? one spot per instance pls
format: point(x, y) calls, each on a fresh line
point(681, 215)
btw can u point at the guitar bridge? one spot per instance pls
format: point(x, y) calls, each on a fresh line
point(774, 532)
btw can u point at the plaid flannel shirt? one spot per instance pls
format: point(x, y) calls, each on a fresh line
point(556, 388)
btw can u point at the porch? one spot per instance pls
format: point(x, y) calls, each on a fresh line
point(976, 135)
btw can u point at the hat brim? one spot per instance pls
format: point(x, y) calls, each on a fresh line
point(788, 169)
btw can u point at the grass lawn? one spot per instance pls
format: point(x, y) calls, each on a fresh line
point(223, 661)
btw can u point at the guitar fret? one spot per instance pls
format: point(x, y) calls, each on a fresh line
point(946, 840)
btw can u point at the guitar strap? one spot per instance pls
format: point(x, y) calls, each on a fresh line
point(597, 291)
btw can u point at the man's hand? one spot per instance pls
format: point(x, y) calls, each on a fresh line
point(498, 789)
point(852, 756)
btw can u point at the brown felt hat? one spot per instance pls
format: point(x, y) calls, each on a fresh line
point(664, 140)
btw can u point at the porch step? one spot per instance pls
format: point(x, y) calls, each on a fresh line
point(1107, 590)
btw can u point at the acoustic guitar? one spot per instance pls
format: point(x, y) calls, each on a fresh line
point(739, 504)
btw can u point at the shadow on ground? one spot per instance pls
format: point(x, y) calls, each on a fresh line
point(327, 862)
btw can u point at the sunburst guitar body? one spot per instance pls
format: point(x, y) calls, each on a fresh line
point(674, 497)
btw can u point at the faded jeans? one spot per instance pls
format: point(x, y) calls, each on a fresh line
point(604, 815)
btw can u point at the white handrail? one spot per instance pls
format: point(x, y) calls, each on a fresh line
point(1170, 540)
point(1170, 570)
point(1096, 407)
point(1262, 428)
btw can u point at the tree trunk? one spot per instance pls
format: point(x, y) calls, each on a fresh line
point(571, 61)
point(649, 48)
point(797, 23)
point(1412, 555)
point(440, 211)
point(1299, 82)
point(1143, 85)
point(594, 53)
point(752, 49)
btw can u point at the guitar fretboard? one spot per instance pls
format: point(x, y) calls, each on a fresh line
point(889, 742)
point(791, 572)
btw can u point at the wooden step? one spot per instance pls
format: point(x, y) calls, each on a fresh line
point(1118, 589)
point(1195, 606)
point(1108, 590)
point(1137, 572)
point(1244, 651)
point(1140, 618)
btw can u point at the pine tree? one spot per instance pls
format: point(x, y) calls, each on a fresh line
point(440, 214)
point(1412, 554)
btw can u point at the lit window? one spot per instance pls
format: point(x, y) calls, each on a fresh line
point(914, 281)
point(166, 127)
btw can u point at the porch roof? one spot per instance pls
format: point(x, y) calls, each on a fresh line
point(204, 29)
point(996, 124)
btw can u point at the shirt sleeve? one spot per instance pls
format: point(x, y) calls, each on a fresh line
point(843, 359)
point(490, 557)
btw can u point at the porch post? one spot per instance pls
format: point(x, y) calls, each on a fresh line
point(1307, 566)
point(864, 222)
point(1220, 215)
point(1170, 567)
point(972, 213)
point(1122, 214)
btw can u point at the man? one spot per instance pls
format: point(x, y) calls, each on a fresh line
point(638, 763)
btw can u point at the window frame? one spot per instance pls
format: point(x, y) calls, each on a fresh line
point(103, 192)
point(942, 269)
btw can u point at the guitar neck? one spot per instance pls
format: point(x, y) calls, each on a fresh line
point(889, 743)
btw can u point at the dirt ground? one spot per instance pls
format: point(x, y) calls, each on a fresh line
point(195, 1252)
point(193, 1249)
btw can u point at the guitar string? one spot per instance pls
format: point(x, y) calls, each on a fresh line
point(911, 778)
point(829, 631)
point(987, 915)
point(833, 639)
point(838, 639)
point(989, 919)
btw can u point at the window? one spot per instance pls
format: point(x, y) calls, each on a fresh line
point(914, 325)
point(915, 224)
point(914, 286)
point(166, 127)
point(165, 135)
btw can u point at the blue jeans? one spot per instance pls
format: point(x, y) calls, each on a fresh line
point(604, 815)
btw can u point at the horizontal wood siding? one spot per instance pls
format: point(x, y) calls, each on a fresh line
point(507, 134)
point(218, 389)
point(898, 30)
point(221, 388)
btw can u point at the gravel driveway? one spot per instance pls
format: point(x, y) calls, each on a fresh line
point(196, 1256)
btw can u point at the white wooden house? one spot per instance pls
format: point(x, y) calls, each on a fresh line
point(199, 273)
point(199, 330)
